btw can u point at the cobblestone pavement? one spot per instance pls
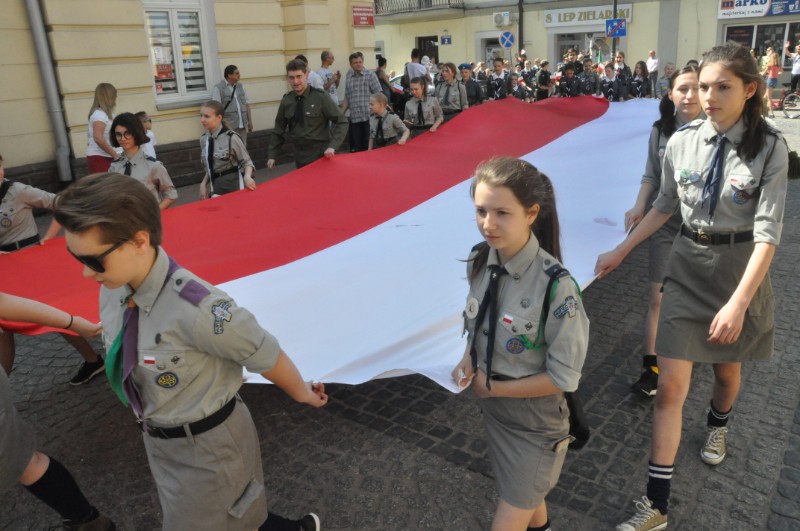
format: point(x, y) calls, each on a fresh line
point(403, 454)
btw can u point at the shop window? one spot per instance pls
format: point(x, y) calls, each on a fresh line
point(792, 36)
point(769, 35)
point(178, 52)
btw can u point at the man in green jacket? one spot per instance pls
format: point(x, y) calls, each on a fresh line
point(307, 113)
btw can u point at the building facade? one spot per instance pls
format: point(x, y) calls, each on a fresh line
point(164, 57)
point(679, 30)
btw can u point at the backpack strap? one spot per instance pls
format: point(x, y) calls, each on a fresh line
point(4, 189)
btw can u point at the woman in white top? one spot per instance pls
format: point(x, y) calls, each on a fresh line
point(99, 152)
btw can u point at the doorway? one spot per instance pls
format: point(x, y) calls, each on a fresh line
point(429, 46)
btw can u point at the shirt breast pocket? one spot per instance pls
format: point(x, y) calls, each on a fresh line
point(690, 186)
point(743, 188)
point(166, 370)
point(517, 333)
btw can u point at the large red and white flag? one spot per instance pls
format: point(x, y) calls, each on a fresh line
point(356, 263)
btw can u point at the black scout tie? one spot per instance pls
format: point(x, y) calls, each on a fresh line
point(128, 168)
point(380, 140)
point(420, 117)
point(713, 182)
point(489, 302)
point(210, 159)
point(446, 99)
point(298, 112)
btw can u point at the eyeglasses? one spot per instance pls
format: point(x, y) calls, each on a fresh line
point(120, 136)
point(95, 263)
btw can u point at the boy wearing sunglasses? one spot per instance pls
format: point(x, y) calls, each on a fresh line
point(176, 347)
point(17, 231)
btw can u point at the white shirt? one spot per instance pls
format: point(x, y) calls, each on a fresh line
point(99, 115)
point(652, 65)
point(796, 64)
point(327, 75)
point(150, 148)
point(315, 80)
point(416, 70)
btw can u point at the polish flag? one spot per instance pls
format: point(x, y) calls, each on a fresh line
point(356, 263)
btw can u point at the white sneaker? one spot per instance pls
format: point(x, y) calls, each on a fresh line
point(645, 519)
point(713, 452)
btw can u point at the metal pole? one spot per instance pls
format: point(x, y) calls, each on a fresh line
point(520, 13)
point(614, 39)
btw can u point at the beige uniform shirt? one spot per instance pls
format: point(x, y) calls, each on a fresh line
point(521, 348)
point(431, 111)
point(393, 127)
point(456, 98)
point(752, 194)
point(16, 214)
point(149, 172)
point(193, 342)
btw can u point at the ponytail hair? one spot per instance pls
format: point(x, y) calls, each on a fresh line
point(667, 124)
point(738, 61)
point(530, 187)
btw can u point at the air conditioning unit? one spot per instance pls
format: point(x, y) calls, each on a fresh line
point(502, 18)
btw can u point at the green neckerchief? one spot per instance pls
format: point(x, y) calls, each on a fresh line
point(114, 367)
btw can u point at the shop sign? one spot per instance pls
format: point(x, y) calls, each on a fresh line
point(586, 16)
point(363, 16)
point(757, 8)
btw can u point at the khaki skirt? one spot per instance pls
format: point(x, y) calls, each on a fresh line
point(700, 280)
point(522, 436)
point(660, 247)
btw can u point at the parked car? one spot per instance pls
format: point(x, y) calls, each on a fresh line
point(397, 87)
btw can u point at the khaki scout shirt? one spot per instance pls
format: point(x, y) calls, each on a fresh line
point(193, 342)
point(16, 214)
point(456, 98)
point(431, 111)
point(751, 195)
point(392, 126)
point(318, 111)
point(519, 349)
point(149, 172)
point(229, 151)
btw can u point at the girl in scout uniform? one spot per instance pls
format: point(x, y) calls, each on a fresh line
point(451, 94)
point(680, 106)
point(177, 346)
point(127, 132)
point(17, 231)
point(228, 166)
point(729, 176)
point(20, 461)
point(519, 360)
point(385, 127)
point(422, 113)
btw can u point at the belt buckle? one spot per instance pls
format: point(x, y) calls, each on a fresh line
point(703, 237)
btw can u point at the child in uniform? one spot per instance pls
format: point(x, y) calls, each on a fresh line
point(228, 165)
point(569, 86)
point(385, 126)
point(177, 346)
point(728, 174)
point(680, 106)
point(588, 79)
point(422, 113)
point(520, 361)
point(612, 86)
point(17, 231)
point(543, 82)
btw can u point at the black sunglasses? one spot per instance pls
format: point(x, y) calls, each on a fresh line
point(95, 263)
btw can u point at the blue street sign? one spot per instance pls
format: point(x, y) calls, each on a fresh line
point(507, 39)
point(616, 27)
point(447, 39)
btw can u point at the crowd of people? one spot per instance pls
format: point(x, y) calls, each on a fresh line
point(693, 206)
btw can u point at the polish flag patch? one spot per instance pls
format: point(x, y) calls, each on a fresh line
point(149, 360)
point(507, 318)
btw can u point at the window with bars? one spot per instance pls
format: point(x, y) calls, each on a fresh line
point(177, 51)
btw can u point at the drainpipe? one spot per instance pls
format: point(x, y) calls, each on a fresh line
point(54, 107)
point(521, 26)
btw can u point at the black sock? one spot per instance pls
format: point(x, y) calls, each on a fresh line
point(649, 361)
point(659, 478)
point(276, 522)
point(58, 489)
point(717, 419)
point(545, 527)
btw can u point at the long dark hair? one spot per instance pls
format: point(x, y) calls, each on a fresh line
point(641, 66)
point(530, 187)
point(738, 61)
point(667, 124)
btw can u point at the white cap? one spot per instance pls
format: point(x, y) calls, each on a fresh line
point(425, 60)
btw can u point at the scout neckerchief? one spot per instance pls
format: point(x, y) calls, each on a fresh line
point(4, 189)
point(489, 302)
point(713, 181)
point(122, 357)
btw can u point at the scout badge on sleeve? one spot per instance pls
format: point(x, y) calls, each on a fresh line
point(221, 314)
